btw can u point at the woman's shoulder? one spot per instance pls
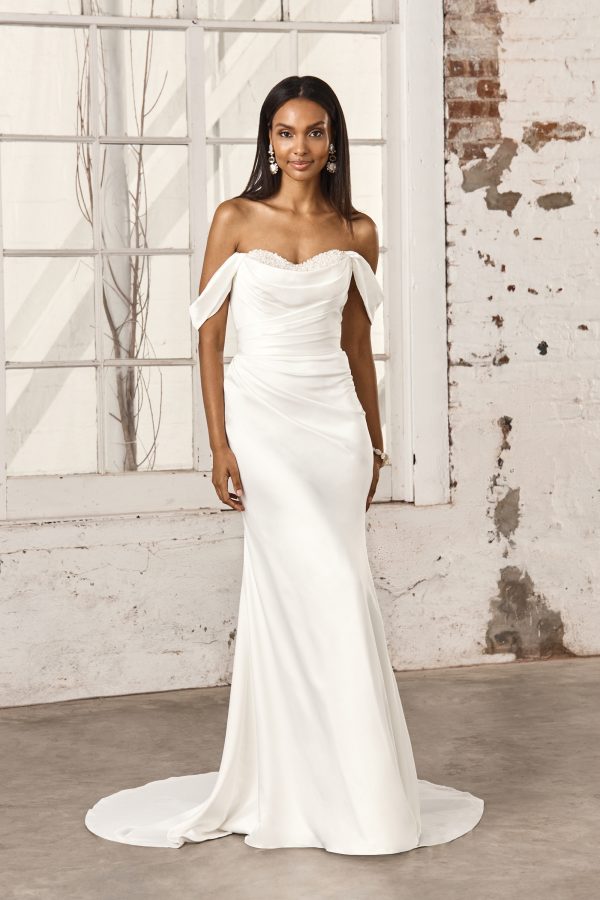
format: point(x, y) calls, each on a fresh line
point(228, 212)
point(366, 236)
point(230, 220)
point(363, 222)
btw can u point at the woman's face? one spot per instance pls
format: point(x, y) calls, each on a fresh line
point(301, 131)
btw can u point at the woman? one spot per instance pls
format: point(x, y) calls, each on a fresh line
point(316, 753)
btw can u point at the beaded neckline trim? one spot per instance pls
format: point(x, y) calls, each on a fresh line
point(319, 260)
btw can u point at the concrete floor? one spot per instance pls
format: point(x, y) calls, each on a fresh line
point(525, 737)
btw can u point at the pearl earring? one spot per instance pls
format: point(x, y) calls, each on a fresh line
point(331, 164)
point(272, 164)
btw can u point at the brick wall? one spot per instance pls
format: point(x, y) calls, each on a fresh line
point(523, 233)
point(472, 32)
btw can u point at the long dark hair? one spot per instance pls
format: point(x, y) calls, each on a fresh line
point(336, 186)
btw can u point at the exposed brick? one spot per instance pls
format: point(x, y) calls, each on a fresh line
point(474, 150)
point(459, 7)
point(460, 46)
point(472, 109)
point(538, 134)
point(484, 129)
point(486, 6)
point(472, 87)
point(478, 68)
point(523, 267)
point(473, 27)
point(489, 87)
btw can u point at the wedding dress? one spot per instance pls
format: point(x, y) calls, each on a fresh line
point(317, 751)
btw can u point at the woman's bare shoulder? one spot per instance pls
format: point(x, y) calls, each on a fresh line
point(366, 237)
point(229, 212)
point(232, 217)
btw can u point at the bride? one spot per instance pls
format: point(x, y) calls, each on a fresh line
point(317, 751)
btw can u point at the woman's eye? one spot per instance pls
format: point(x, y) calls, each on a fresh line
point(314, 131)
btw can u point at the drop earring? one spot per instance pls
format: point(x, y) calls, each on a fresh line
point(331, 163)
point(272, 164)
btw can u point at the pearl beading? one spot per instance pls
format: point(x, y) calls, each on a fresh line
point(320, 260)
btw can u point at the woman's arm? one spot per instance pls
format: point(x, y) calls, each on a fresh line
point(356, 342)
point(220, 244)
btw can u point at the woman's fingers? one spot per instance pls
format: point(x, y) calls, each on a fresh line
point(219, 481)
point(235, 477)
point(220, 484)
point(237, 502)
point(224, 494)
point(374, 482)
point(234, 473)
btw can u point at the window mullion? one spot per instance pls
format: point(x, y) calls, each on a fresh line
point(94, 83)
point(295, 51)
point(398, 273)
point(197, 174)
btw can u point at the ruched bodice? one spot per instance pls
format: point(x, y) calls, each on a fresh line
point(293, 310)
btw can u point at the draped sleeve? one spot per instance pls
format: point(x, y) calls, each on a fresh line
point(215, 291)
point(367, 283)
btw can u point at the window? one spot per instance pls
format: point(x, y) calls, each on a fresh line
point(110, 171)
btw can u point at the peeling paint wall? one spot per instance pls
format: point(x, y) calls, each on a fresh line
point(523, 208)
point(113, 606)
point(510, 569)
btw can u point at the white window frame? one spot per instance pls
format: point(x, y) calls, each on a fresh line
point(414, 274)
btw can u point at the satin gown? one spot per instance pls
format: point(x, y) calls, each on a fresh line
point(317, 751)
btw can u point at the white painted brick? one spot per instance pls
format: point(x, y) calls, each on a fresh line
point(549, 70)
point(536, 30)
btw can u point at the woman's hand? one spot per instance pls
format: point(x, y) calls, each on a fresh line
point(224, 467)
point(376, 467)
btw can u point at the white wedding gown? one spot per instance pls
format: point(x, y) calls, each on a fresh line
point(316, 752)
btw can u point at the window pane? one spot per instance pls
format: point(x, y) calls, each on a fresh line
point(342, 11)
point(142, 83)
point(228, 170)
point(146, 302)
point(63, 7)
point(145, 199)
point(367, 186)
point(149, 418)
point(51, 421)
point(56, 60)
point(45, 203)
point(267, 10)
point(49, 309)
point(144, 8)
point(351, 64)
point(241, 68)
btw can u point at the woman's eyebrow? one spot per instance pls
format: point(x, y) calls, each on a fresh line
point(320, 122)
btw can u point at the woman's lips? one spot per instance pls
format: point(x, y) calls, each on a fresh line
point(300, 165)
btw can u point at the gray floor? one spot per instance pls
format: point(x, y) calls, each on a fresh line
point(525, 737)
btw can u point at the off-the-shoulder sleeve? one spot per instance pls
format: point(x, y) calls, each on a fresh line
point(215, 291)
point(366, 282)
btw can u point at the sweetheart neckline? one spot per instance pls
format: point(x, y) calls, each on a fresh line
point(288, 261)
point(294, 266)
